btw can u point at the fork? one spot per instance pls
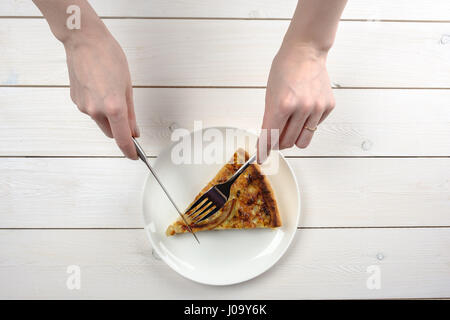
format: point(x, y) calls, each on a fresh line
point(215, 198)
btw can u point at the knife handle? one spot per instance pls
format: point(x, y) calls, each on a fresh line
point(141, 154)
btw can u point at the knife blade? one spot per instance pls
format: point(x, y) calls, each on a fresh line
point(143, 157)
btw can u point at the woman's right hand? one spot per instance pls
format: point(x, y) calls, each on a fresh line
point(100, 86)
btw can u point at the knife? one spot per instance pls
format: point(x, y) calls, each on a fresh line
point(143, 157)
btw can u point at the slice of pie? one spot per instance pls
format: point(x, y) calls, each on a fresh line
point(251, 203)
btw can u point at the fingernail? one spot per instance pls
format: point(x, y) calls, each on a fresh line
point(137, 131)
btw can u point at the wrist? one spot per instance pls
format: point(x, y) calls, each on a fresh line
point(92, 32)
point(299, 38)
point(304, 50)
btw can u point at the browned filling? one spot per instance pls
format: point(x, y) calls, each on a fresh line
point(251, 203)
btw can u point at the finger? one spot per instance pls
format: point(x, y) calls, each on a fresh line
point(325, 115)
point(120, 128)
point(269, 138)
point(131, 114)
point(103, 123)
point(292, 130)
point(94, 112)
point(306, 135)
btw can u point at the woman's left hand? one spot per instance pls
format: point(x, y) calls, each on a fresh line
point(298, 97)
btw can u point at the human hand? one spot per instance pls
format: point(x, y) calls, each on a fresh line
point(100, 86)
point(298, 97)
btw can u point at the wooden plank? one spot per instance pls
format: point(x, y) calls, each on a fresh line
point(235, 53)
point(413, 263)
point(107, 193)
point(254, 9)
point(44, 121)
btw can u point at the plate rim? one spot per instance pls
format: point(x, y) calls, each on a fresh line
point(269, 266)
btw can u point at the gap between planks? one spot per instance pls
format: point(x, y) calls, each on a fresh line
point(234, 19)
point(334, 87)
point(287, 157)
point(298, 228)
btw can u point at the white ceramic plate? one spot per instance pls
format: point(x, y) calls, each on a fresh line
point(226, 256)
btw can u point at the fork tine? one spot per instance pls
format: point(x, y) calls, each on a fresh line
point(196, 203)
point(206, 216)
point(200, 207)
point(199, 212)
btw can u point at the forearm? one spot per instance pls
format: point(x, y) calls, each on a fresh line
point(314, 24)
point(54, 12)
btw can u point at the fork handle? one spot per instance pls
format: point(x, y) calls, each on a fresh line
point(241, 169)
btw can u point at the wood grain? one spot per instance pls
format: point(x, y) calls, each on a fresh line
point(414, 263)
point(235, 53)
point(107, 193)
point(253, 9)
point(356, 212)
point(44, 121)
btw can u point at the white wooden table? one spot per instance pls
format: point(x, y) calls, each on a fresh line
point(375, 181)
